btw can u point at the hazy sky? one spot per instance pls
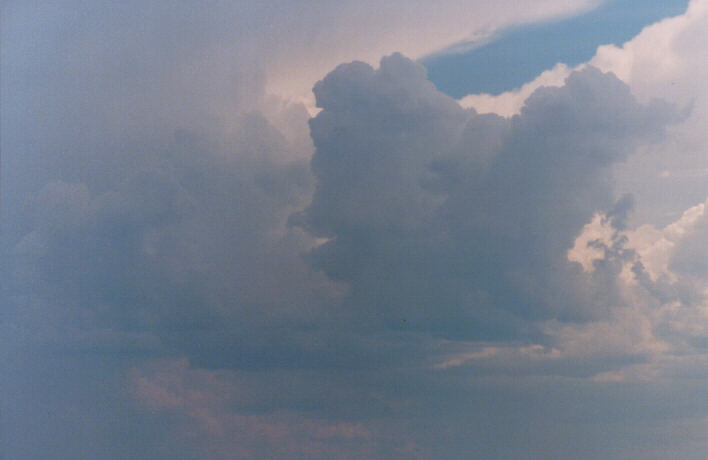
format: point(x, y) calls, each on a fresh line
point(386, 230)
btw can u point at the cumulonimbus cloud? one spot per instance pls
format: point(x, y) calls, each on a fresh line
point(162, 204)
point(444, 220)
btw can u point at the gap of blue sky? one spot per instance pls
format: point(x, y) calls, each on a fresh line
point(521, 53)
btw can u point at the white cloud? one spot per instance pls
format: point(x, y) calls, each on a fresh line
point(664, 312)
point(655, 247)
point(664, 59)
point(584, 251)
point(510, 102)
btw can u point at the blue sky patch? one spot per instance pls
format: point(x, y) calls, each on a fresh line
point(521, 53)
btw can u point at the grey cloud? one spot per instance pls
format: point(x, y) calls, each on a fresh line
point(184, 253)
point(436, 233)
point(194, 235)
point(147, 182)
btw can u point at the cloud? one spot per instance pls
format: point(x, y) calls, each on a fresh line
point(664, 291)
point(204, 402)
point(510, 103)
point(663, 61)
point(194, 236)
point(458, 224)
point(158, 201)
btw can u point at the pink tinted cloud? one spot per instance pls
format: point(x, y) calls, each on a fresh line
point(204, 404)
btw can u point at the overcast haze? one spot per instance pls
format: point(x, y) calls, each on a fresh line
point(236, 230)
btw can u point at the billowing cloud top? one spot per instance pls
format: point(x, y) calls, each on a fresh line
point(444, 220)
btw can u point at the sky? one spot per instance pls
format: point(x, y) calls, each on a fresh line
point(515, 55)
point(354, 230)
